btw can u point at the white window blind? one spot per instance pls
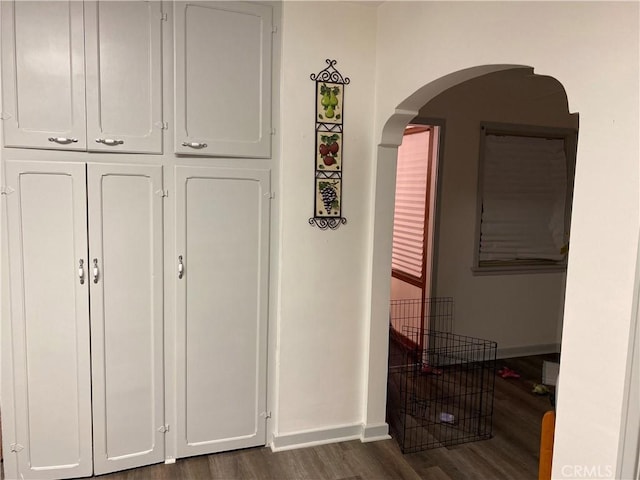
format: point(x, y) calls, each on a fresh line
point(409, 216)
point(524, 194)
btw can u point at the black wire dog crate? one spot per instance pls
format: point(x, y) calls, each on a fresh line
point(428, 314)
point(441, 394)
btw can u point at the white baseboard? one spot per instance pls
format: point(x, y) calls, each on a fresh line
point(525, 351)
point(323, 436)
point(373, 433)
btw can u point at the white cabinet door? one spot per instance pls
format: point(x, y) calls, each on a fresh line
point(124, 73)
point(47, 227)
point(223, 78)
point(43, 74)
point(222, 293)
point(125, 251)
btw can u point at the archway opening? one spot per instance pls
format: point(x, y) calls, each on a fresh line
point(515, 301)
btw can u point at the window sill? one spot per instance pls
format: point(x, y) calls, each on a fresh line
point(517, 269)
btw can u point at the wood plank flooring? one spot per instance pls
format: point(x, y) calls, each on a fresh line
point(339, 461)
point(512, 453)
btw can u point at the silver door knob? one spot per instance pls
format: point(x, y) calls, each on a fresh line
point(180, 267)
point(109, 141)
point(196, 145)
point(63, 140)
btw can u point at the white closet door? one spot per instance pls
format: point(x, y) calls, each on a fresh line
point(43, 74)
point(223, 105)
point(124, 74)
point(50, 318)
point(223, 246)
point(125, 251)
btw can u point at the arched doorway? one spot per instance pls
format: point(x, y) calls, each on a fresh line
point(392, 133)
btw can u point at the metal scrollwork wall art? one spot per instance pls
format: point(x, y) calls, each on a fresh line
point(329, 100)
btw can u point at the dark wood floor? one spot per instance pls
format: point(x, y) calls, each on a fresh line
point(512, 453)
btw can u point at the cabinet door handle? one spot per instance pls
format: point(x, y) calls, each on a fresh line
point(197, 145)
point(63, 140)
point(81, 272)
point(109, 141)
point(180, 267)
point(96, 271)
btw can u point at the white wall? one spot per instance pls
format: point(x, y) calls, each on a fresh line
point(321, 318)
point(592, 49)
point(521, 312)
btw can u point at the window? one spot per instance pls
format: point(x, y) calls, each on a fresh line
point(525, 187)
point(412, 192)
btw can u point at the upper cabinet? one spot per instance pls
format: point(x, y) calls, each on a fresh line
point(124, 74)
point(54, 54)
point(223, 78)
point(88, 76)
point(43, 75)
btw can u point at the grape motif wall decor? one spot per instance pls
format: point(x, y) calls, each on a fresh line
point(329, 112)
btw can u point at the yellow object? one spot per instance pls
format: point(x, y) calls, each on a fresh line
point(546, 445)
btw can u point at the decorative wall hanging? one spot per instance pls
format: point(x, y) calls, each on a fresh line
point(329, 100)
